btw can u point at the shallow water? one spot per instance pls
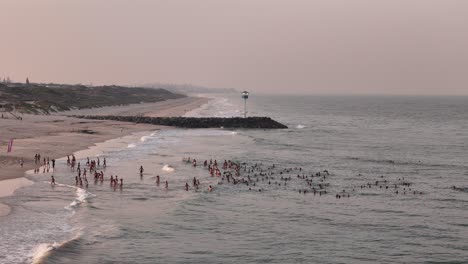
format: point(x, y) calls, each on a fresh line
point(359, 140)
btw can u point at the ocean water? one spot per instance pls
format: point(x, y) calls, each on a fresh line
point(420, 141)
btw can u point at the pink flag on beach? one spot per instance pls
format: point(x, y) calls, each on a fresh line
point(10, 145)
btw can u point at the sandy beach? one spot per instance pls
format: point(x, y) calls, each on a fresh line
point(57, 135)
point(168, 108)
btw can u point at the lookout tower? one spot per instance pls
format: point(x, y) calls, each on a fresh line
point(245, 96)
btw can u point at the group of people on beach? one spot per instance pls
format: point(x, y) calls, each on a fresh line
point(71, 162)
point(92, 166)
point(46, 163)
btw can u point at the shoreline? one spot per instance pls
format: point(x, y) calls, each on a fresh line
point(8, 188)
point(56, 136)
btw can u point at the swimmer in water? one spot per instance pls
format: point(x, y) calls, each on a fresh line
point(141, 170)
point(210, 188)
point(186, 186)
point(167, 185)
point(52, 180)
point(157, 180)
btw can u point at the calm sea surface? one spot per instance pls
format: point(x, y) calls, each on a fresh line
point(372, 147)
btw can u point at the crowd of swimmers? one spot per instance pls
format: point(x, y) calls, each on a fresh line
point(229, 172)
point(255, 176)
point(384, 184)
point(260, 177)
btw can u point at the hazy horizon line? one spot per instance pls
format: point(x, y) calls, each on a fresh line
point(253, 91)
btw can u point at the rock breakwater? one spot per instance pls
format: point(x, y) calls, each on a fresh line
point(198, 122)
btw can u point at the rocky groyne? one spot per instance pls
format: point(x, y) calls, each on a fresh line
point(198, 122)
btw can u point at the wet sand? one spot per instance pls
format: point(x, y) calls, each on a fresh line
point(56, 136)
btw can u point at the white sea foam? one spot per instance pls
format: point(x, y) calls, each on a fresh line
point(151, 136)
point(82, 196)
point(144, 138)
point(42, 251)
point(300, 126)
point(173, 135)
point(131, 145)
point(168, 168)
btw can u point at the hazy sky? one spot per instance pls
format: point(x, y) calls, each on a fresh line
point(329, 46)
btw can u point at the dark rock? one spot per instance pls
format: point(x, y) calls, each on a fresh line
point(86, 131)
point(197, 122)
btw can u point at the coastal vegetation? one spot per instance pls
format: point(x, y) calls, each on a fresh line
point(47, 98)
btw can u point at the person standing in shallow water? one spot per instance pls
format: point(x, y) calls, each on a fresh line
point(141, 170)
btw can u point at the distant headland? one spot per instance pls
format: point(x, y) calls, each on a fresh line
point(45, 99)
point(37, 98)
